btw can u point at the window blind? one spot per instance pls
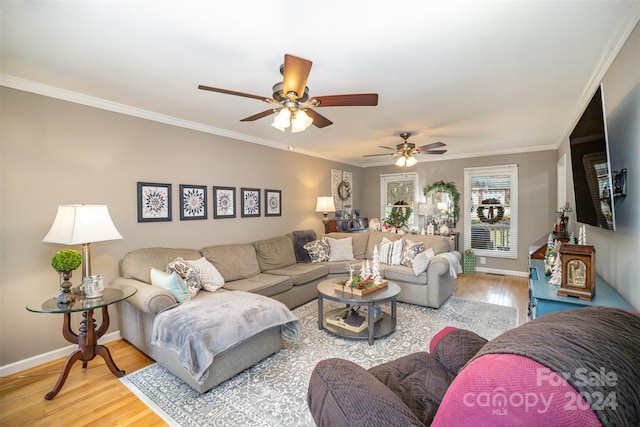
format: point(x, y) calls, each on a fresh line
point(491, 205)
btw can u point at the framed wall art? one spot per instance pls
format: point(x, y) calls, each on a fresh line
point(272, 203)
point(224, 202)
point(250, 200)
point(154, 202)
point(193, 202)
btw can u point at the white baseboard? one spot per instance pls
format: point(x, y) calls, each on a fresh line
point(34, 361)
point(502, 272)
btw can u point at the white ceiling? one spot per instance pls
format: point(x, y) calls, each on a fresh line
point(484, 77)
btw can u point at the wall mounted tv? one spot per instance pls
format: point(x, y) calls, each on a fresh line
point(591, 167)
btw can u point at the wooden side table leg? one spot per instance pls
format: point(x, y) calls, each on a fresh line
point(73, 358)
point(106, 355)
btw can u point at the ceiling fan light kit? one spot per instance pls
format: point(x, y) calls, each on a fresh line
point(406, 151)
point(292, 95)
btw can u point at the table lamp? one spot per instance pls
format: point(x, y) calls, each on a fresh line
point(325, 205)
point(82, 225)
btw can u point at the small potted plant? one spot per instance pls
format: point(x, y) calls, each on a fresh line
point(64, 262)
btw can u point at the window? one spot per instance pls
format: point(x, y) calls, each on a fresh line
point(491, 205)
point(396, 190)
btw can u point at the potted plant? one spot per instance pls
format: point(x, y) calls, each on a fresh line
point(399, 216)
point(64, 262)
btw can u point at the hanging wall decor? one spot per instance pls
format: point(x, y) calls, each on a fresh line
point(193, 202)
point(224, 202)
point(154, 202)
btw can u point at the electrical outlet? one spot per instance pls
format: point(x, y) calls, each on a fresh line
point(483, 260)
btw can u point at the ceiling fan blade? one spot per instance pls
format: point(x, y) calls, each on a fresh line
point(387, 148)
point(353, 100)
point(233, 92)
point(295, 73)
point(432, 146)
point(433, 152)
point(259, 115)
point(319, 120)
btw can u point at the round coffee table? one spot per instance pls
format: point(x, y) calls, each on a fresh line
point(381, 328)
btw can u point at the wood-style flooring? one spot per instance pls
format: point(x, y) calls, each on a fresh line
point(95, 397)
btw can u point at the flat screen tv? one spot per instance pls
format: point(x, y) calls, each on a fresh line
point(589, 147)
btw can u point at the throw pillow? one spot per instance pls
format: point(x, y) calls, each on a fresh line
point(301, 238)
point(391, 252)
point(171, 282)
point(209, 277)
point(422, 260)
point(410, 251)
point(340, 249)
point(318, 250)
point(184, 270)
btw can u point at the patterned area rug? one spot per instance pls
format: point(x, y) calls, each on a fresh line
point(273, 392)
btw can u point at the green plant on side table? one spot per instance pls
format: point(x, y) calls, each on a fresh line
point(64, 262)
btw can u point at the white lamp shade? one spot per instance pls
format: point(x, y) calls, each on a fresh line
point(282, 119)
point(325, 204)
point(401, 162)
point(78, 224)
point(300, 122)
point(411, 161)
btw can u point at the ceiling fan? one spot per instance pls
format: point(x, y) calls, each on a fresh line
point(406, 150)
point(291, 98)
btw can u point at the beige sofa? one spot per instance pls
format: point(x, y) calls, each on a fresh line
point(268, 267)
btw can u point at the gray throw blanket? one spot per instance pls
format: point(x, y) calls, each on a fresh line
point(198, 329)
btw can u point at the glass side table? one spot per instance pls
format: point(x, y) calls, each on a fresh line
point(88, 335)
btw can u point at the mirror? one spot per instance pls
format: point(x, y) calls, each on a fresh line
point(445, 199)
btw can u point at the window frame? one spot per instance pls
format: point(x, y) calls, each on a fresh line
point(385, 179)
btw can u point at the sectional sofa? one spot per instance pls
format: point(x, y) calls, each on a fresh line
point(270, 267)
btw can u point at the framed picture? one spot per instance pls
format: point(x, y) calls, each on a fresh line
point(193, 202)
point(224, 202)
point(250, 199)
point(272, 203)
point(154, 202)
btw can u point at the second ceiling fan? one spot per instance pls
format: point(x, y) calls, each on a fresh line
point(291, 100)
point(406, 150)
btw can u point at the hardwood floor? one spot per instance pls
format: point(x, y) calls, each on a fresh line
point(95, 397)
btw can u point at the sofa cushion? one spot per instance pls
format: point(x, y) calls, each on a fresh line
point(262, 283)
point(358, 241)
point(390, 253)
point(301, 238)
point(421, 261)
point(409, 251)
point(340, 249)
point(439, 244)
point(276, 252)
point(456, 348)
point(208, 276)
point(233, 261)
point(171, 282)
point(302, 273)
point(318, 250)
point(136, 264)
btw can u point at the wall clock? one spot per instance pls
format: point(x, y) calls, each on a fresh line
point(578, 271)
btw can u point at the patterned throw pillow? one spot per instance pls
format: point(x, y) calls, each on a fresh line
point(340, 249)
point(187, 273)
point(391, 252)
point(422, 260)
point(410, 251)
point(318, 250)
point(209, 277)
point(171, 282)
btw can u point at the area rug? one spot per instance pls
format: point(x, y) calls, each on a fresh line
point(273, 392)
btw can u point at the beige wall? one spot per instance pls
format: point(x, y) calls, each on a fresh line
point(537, 200)
point(55, 152)
point(618, 252)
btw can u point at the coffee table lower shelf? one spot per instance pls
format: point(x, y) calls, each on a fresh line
point(381, 328)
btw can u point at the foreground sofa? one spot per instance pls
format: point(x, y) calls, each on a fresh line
point(571, 368)
point(271, 267)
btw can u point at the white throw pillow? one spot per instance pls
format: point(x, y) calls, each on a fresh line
point(391, 252)
point(340, 249)
point(421, 261)
point(209, 277)
point(171, 282)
